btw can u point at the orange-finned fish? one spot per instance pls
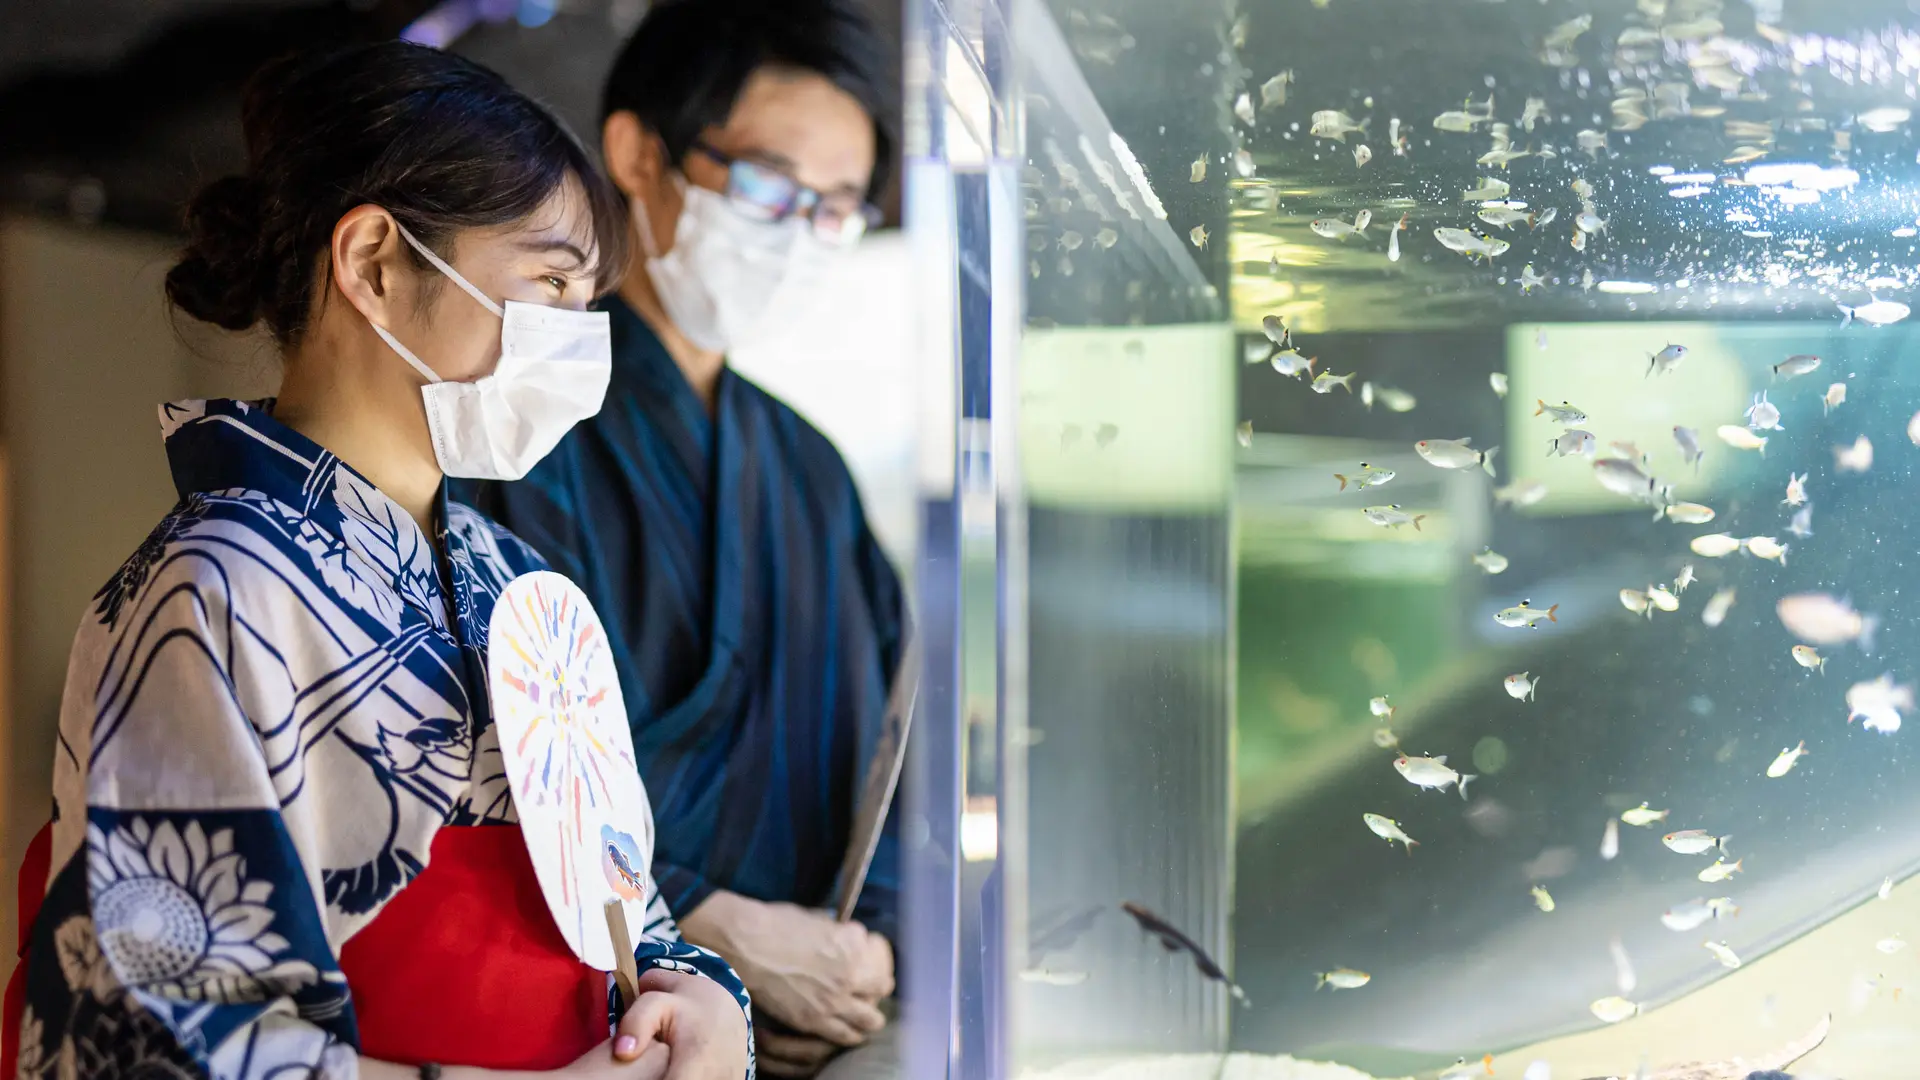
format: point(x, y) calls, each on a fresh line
point(1173, 940)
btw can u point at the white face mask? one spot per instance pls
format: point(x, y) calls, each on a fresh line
point(553, 373)
point(732, 281)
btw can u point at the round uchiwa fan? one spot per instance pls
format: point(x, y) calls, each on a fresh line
point(569, 760)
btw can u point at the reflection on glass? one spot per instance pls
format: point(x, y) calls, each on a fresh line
point(1595, 761)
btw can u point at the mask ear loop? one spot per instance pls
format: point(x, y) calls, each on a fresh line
point(442, 266)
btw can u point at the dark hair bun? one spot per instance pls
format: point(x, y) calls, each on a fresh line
point(218, 278)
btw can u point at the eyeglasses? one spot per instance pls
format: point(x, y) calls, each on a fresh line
point(764, 193)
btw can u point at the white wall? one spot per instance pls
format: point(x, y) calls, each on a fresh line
point(87, 352)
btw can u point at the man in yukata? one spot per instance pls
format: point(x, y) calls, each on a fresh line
point(755, 620)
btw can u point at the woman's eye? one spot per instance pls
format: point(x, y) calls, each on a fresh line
point(555, 281)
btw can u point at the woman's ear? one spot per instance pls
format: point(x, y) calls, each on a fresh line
point(366, 255)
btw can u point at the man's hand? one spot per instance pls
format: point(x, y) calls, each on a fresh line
point(820, 977)
point(789, 1056)
point(700, 1025)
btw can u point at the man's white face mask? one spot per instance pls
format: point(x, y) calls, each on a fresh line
point(730, 280)
point(553, 373)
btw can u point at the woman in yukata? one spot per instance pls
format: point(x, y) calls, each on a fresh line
point(283, 844)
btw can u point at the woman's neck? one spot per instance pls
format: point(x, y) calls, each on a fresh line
point(363, 404)
point(700, 367)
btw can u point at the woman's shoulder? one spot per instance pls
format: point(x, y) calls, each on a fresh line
point(222, 539)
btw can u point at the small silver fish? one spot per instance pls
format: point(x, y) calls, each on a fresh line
point(1489, 189)
point(1521, 687)
point(1389, 830)
point(1380, 707)
point(1796, 490)
point(1821, 619)
point(1566, 413)
point(1468, 244)
point(1875, 312)
point(1432, 772)
point(1244, 433)
point(1393, 239)
point(1395, 399)
point(1589, 222)
point(1369, 476)
point(1503, 217)
point(1391, 516)
point(1455, 454)
point(1332, 228)
point(1689, 441)
point(1520, 493)
point(1290, 363)
point(1199, 170)
point(1694, 841)
point(1591, 141)
point(1782, 765)
point(1763, 415)
point(1686, 513)
point(1571, 443)
point(1500, 159)
point(1324, 382)
point(1498, 380)
point(1491, 561)
point(1715, 545)
point(1529, 279)
point(1722, 953)
point(1610, 841)
point(1542, 899)
point(1741, 438)
point(1274, 91)
point(1857, 458)
point(1198, 234)
point(1545, 217)
point(1334, 124)
point(1458, 121)
point(1802, 523)
point(1836, 395)
point(1564, 35)
point(1794, 366)
point(1716, 610)
point(1243, 108)
point(1684, 579)
point(1721, 870)
point(1525, 614)
point(1666, 359)
point(1105, 239)
point(1643, 817)
point(1342, 979)
point(1534, 112)
point(1243, 164)
point(1361, 155)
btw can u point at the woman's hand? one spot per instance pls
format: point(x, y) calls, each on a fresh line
point(694, 1019)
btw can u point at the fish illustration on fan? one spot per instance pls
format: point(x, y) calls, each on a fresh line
point(569, 759)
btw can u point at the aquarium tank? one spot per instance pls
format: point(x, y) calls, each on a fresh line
point(1418, 502)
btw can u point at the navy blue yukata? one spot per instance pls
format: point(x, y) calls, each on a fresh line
point(755, 619)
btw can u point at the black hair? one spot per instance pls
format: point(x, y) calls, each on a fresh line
point(685, 65)
point(441, 142)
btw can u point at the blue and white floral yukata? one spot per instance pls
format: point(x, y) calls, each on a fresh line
point(271, 711)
